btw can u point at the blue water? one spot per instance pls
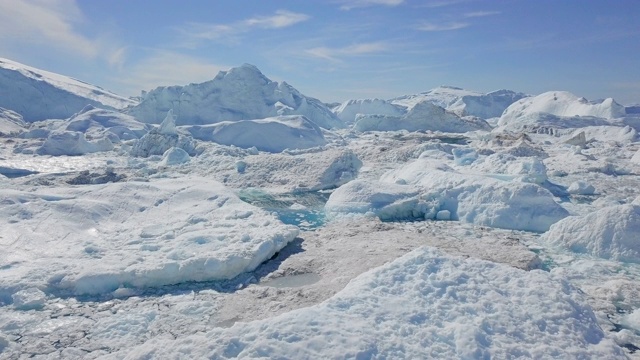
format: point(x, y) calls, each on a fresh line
point(308, 218)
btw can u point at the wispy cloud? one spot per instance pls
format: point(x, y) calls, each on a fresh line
point(50, 23)
point(477, 14)
point(159, 69)
point(197, 32)
point(352, 4)
point(429, 26)
point(442, 3)
point(335, 54)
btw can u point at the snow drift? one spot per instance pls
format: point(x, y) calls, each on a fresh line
point(610, 233)
point(422, 305)
point(271, 134)
point(242, 93)
point(38, 95)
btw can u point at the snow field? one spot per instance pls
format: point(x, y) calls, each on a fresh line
point(422, 304)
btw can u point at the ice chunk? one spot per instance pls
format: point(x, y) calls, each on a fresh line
point(479, 199)
point(168, 126)
point(610, 233)
point(387, 201)
point(156, 143)
point(581, 188)
point(31, 298)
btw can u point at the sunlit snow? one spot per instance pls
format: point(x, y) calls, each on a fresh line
point(240, 218)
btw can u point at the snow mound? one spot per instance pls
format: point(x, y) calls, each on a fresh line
point(160, 139)
point(98, 122)
point(72, 143)
point(480, 199)
point(463, 102)
point(242, 93)
point(559, 109)
point(610, 233)
point(11, 123)
point(387, 201)
point(348, 110)
point(38, 95)
point(424, 116)
point(98, 238)
point(174, 156)
point(422, 305)
point(271, 134)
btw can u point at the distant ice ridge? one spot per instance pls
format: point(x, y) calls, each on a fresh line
point(559, 109)
point(422, 305)
point(38, 95)
point(463, 102)
point(611, 233)
point(242, 93)
point(101, 238)
point(426, 189)
point(349, 110)
point(424, 116)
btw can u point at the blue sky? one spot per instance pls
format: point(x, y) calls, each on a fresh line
point(336, 49)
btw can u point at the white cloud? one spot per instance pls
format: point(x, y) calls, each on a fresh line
point(334, 54)
point(165, 68)
point(476, 14)
point(195, 32)
point(47, 23)
point(427, 26)
point(281, 19)
point(352, 4)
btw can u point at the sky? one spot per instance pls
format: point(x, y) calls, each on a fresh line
point(336, 50)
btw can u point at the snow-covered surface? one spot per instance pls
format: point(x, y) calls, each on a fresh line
point(273, 134)
point(558, 109)
point(38, 95)
point(168, 245)
point(242, 93)
point(424, 304)
point(101, 238)
point(478, 199)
